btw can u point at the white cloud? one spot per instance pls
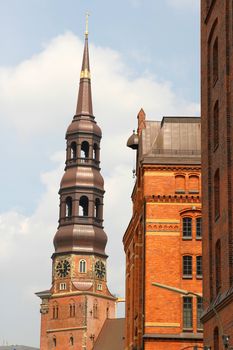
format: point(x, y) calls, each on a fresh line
point(185, 4)
point(38, 99)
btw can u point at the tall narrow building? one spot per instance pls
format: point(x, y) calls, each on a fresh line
point(163, 242)
point(217, 156)
point(74, 310)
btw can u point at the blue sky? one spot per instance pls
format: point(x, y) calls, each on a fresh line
point(143, 54)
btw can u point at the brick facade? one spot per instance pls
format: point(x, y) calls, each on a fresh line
point(217, 157)
point(167, 189)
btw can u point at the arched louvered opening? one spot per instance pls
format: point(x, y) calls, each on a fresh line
point(96, 152)
point(85, 150)
point(97, 208)
point(83, 206)
point(68, 207)
point(73, 150)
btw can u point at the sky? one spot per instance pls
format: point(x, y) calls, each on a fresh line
point(143, 53)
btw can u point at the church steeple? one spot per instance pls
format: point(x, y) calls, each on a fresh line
point(84, 104)
point(74, 310)
point(82, 186)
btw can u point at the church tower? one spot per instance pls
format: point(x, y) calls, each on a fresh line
point(74, 310)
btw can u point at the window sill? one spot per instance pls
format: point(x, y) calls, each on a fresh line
point(198, 238)
point(188, 330)
point(180, 191)
point(199, 330)
point(193, 191)
point(187, 277)
point(199, 277)
point(187, 238)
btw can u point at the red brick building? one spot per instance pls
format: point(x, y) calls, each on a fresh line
point(217, 160)
point(76, 307)
point(163, 240)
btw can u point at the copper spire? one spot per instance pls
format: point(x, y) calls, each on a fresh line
point(84, 105)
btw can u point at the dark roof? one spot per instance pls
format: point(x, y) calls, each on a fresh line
point(17, 347)
point(112, 335)
point(174, 140)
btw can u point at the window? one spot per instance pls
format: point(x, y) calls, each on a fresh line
point(72, 309)
point(73, 150)
point(71, 340)
point(68, 207)
point(85, 150)
point(187, 266)
point(99, 286)
point(216, 125)
point(97, 208)
point(216, 339)
point(82, 266)
point(54, 342)
point(83, 206)
point(187, 228)
point(55, 311)
point(62, 286)
point(180, 184)
point(215, 61)
point(199, 266)
point(193, 184)
point(95, 309)
point(199, 312)
point(187, 313)
point(216, 194)
point(218, 276)
point(198, 228)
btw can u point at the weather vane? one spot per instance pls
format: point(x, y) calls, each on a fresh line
point(87, 19)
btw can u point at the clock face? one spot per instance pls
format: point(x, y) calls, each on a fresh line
point(63, 268)
point(100, 269)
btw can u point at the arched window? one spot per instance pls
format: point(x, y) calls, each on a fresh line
point(97, 208)
point(95, 309)
point(193, 184)
point(216, 194)
point(199, 266)
point(107, 311)
point(187, 266)
point(85, 149)
point(180, 183)
point(215, 60)
point(95, 152)
point(68, 207)
point(218, 275)
point(71, 340)
point(55, 311)
point(73, 150)
point(82, 266)
point(187, 228)
point(72, 308)
point(216, 339)
point(54, 341)
point(83, 206)
point(198, 227)
point(216, 125)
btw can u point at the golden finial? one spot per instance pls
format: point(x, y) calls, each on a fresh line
point(87, 19)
